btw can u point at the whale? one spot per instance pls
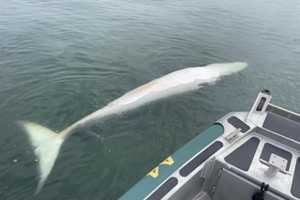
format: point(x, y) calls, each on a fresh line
point(47, 143)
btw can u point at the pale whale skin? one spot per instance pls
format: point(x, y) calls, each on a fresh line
point(47, 143)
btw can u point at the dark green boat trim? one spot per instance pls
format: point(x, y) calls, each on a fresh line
point(144, 187)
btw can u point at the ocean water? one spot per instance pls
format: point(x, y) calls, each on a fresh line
point(62, 59)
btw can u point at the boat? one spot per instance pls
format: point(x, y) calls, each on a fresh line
point(253, 155)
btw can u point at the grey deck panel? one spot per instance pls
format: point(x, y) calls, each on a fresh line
point(242, 156)
point(296, 181)
point(237, 123)
point(164, 189)
point(283, 126)
point(199, 159)
point(269, 149)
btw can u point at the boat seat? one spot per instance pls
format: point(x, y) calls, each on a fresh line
point(232, 186)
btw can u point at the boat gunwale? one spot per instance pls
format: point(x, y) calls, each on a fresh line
point(172, 172)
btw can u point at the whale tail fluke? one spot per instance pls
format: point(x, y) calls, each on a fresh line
point(46, 144)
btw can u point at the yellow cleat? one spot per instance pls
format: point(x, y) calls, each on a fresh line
point(154, 173)
point(168, 161)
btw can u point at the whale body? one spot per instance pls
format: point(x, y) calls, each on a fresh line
point(47, 143)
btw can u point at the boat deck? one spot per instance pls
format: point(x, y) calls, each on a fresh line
point(244, 154)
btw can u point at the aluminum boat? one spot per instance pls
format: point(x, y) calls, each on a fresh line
point(252, 155)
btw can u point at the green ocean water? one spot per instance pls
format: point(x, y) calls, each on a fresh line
point(62, 59)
